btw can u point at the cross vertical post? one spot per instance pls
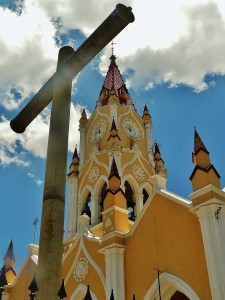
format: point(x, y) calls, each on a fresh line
point(52, 223)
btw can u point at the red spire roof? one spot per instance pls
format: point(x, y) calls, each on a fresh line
point(114, 82)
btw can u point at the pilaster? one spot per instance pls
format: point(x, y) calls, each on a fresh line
point(115, 273)
point(211, 215)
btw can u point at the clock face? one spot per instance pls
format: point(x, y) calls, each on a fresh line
point(131, 131)
point(98, 132)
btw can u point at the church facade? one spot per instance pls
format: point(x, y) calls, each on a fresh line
point(126, 232)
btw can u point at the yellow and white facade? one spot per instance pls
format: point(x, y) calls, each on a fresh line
point(126, 231)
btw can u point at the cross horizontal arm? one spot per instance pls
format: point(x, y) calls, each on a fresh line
point(112, 25)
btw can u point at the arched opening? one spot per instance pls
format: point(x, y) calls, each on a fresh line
point(87, 206)
point(129, 194)
point(179, 296)
point(101, 199)
point(145, 196)
point(172, 288)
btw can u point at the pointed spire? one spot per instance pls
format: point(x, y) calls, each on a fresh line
point(88, 294)
point(159, 162)
point(204, 172)
point(83, 119)
point(75, 155)
point(62, 292)
point(146, 116)
point(198, 143)
point(112, 296)
point(113, 84)
point(9, 258)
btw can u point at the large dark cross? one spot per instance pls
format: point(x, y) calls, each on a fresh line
point(58, 89)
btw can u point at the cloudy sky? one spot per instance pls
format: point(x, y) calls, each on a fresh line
point(172, 58)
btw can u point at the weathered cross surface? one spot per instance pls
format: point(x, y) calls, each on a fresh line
point(58, 89)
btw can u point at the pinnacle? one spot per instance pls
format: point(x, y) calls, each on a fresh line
point(75, 155)
point(156, 148)
point(198, 143)
point(10, 252)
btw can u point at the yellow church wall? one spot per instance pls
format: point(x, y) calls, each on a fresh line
point(202, 178)
point(202, 159)
point(179, 249)
point(68, 260)
point(93, 248)
point(20, 289)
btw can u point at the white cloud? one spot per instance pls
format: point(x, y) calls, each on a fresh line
point(28, 52)
point(180, 43)
point(14, 147)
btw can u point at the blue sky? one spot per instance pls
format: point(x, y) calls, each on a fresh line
point(172, 58)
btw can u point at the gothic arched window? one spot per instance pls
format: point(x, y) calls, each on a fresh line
point(101, 199)
point(130, 201)
point(87, 206)
point(145, 196)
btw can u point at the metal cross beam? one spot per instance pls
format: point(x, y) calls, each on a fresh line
point(58, 88)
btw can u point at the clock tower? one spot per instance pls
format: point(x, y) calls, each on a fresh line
point(115, 131)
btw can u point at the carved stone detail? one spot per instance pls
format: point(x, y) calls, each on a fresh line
point(93, 175)
point(138, 172)
point(81, 269)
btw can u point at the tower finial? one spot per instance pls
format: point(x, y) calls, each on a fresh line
point(198, 143)
point(112, 47)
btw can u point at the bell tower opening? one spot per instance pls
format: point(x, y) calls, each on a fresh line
point(145, 196)
point(87, 206)
point(129, 194)
point(101, 198)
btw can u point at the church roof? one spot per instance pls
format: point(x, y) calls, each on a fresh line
point(113, 82)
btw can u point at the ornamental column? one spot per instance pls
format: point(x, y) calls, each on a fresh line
point(147, 120)
point(82, 129)
point(73, 195)
point(139, 202)
point(94, 209)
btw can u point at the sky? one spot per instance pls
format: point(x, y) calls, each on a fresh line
point(171, 58)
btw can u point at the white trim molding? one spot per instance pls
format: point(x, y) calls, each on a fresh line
point(169, 285)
